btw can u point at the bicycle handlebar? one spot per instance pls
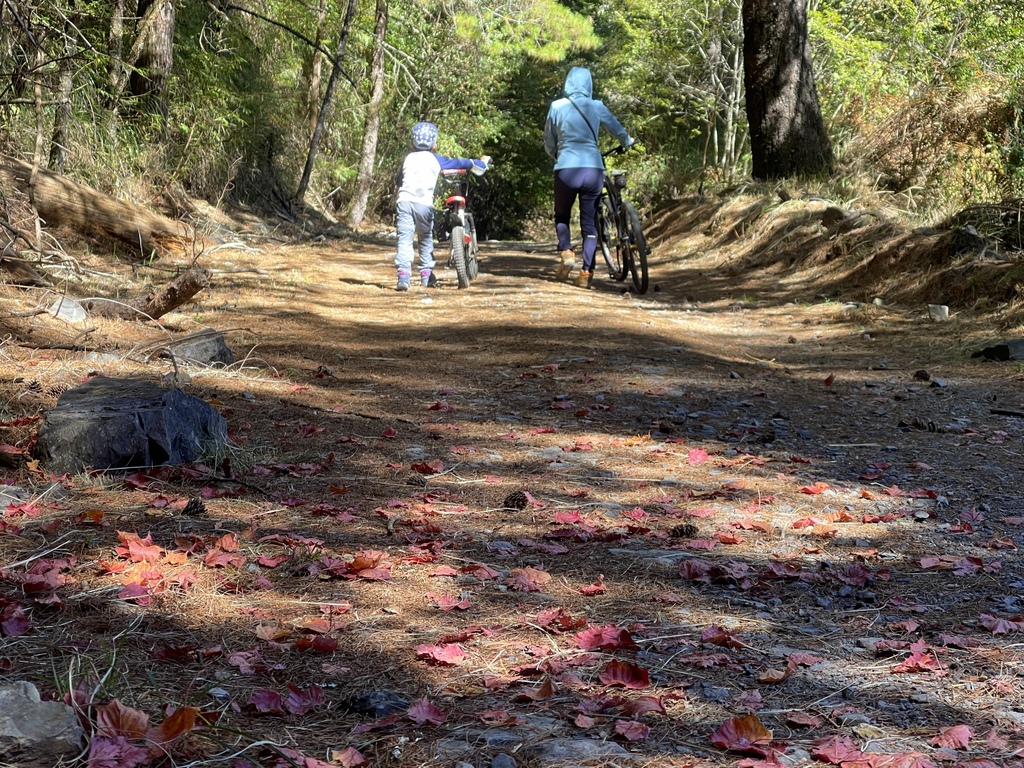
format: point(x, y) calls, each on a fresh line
point(619, 150)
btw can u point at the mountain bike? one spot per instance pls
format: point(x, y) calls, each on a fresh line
point(458, 224)
point(619, 234)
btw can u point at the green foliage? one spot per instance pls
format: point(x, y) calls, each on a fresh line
point(919, 93)
point(924, 96)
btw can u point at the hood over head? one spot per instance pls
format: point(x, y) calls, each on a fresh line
point(579, 83)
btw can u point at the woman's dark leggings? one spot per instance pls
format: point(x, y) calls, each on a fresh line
point(587, 183)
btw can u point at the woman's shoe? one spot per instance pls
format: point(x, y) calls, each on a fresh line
point(583, 279)
point(568, 258)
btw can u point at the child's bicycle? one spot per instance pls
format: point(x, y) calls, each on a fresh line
point(619, 234)
point(458, 224)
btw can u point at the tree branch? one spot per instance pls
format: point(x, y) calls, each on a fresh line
point(311, 43)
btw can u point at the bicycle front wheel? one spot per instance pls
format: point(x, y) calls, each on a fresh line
point(634, 247)
point(605, 239)
point(459, 256)
point(472, 249)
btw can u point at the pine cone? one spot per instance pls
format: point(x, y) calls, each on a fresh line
point(684, 531)
point(194, 508)
point(517, 500)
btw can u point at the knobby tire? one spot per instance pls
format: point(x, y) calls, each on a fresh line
point(605, 238)
point(459, 256)
point(636, 246)
point(472, 249)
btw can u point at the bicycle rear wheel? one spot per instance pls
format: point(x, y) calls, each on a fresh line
point(472, 249)
point(635, 248)
point(459, 256)
point(606, 239)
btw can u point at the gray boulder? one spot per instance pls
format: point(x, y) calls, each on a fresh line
point(206, 348)
point(127, 424)
point(35, 732)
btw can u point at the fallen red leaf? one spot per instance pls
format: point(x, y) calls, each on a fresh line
point(545, 691)
point(632, 730)
point(448, 602)
point(448, 655)
point(626, 674)
point(743, 734)
point(317, 644)
point(605, 638)
point(642, 705)
point(955, 737)
point(180, 723)
point(696, 457)
point(597, 588)
point(267, 701)
point(803, 719)
point(999, 626)
point(527, 579)
point(815, 488)
point(434, 467)
point(300, 701)
point(837, 750)
point(349, 757)
point(115, 719)
point(423, 712)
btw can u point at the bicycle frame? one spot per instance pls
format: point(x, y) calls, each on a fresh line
point(461, 228)
point(455, 203)
point(620, 234)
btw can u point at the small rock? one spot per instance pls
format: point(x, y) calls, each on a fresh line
point(1008, 350)
point(33, 731)
point(938, 312)
point(503, 760)
point(795, 756)
point(561, 752)
point(379, 704)
point(940, 383)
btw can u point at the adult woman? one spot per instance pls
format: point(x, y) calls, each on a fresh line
point(570, 138)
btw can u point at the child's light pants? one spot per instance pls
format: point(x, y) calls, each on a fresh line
point(415, 220)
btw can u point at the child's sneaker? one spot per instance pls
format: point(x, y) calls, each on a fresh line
point(427, 278)
point(403, 281)
point(568, 258)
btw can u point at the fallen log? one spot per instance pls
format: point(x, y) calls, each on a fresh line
point(60, 201)
point(154, 305)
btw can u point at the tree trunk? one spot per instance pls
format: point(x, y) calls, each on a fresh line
point(325, 105)
point(155, 61)
point(787, 133)
point(65, 85)
point(316, 65)
point(371, 127)
point(62, 202)
point(116, 71)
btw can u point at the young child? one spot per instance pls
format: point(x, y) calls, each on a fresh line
point(416, 185)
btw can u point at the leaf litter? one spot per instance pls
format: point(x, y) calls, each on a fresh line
point(571, 516)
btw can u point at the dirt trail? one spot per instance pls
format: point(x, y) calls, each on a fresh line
point(729, 478)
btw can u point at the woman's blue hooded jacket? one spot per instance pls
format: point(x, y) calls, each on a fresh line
point(571, 130)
